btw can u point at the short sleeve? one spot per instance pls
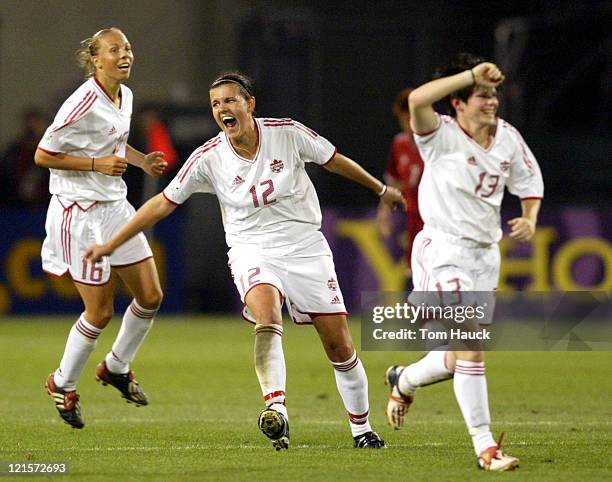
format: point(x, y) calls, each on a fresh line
point(431, 144)
point(311, 146)
point(68, 133)
point(191, 178)
point(525, 180)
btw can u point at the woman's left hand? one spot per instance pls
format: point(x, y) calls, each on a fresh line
point(154, 163)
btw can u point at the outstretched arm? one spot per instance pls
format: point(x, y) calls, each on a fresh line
point(523, 228)
point(154, 210)
point(421, 100)
point(348, 168)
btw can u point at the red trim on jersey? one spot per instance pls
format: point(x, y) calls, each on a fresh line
point(290, 122)
point(169, 200)
point(531, 197)
point(196, 157)
point(82, 102)
point(83, 109)
point(119, 266)
point(104, 91)
point(79, 111)
point(51, 153)
point(332, 156)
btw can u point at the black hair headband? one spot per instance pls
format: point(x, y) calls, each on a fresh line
point(233, 80)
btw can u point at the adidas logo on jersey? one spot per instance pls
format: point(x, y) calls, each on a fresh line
point(112, 131)
point(472, 160)
point(335, 301)
point(237, 180)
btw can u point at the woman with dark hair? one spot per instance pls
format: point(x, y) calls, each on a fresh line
point(271, 215)
point(470, 156)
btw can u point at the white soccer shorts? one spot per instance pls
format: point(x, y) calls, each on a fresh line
point(73, 226)
point(464, 271)
point(308, 284)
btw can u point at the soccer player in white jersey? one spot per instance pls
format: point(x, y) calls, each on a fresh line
point(86, 151)
point(470, 156)
point(271, 216)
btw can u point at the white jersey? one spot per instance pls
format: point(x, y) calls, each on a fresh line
point(463, 184)
point(89, 124)
point(267, 202)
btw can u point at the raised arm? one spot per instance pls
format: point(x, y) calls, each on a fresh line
point(421, 100)
point(154, 210)
point(348, 168)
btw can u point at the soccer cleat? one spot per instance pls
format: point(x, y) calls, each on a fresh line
point(398, 404)
point(495, 460)
point(275, 426)
point(124, 382)
point(368, 440)
point(66, 403)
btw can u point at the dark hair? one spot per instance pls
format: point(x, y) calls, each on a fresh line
point(463, 61)
point(235, 77)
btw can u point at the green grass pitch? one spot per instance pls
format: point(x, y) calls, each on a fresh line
point(201, 423)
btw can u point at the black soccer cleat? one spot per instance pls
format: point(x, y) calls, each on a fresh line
point(124, 382)
point(275, 426)
point(66, 403)
point(368, 440)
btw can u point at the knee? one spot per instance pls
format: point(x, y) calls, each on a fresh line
point(100, 316)
point(339, 351)
point(152, 299)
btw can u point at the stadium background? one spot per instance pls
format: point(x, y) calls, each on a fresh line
point(336, 67)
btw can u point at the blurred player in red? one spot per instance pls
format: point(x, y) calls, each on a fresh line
point(86, 151)
point(278, 255)
point(404, 170)
point(471, 156)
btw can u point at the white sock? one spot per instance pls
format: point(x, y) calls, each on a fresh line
point(429, 369)
point(82, 340)
point(352, 383)
point(137, 321)
point(470, 386)
point(270, 365)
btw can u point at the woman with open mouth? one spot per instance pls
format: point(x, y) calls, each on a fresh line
point(272, 220)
